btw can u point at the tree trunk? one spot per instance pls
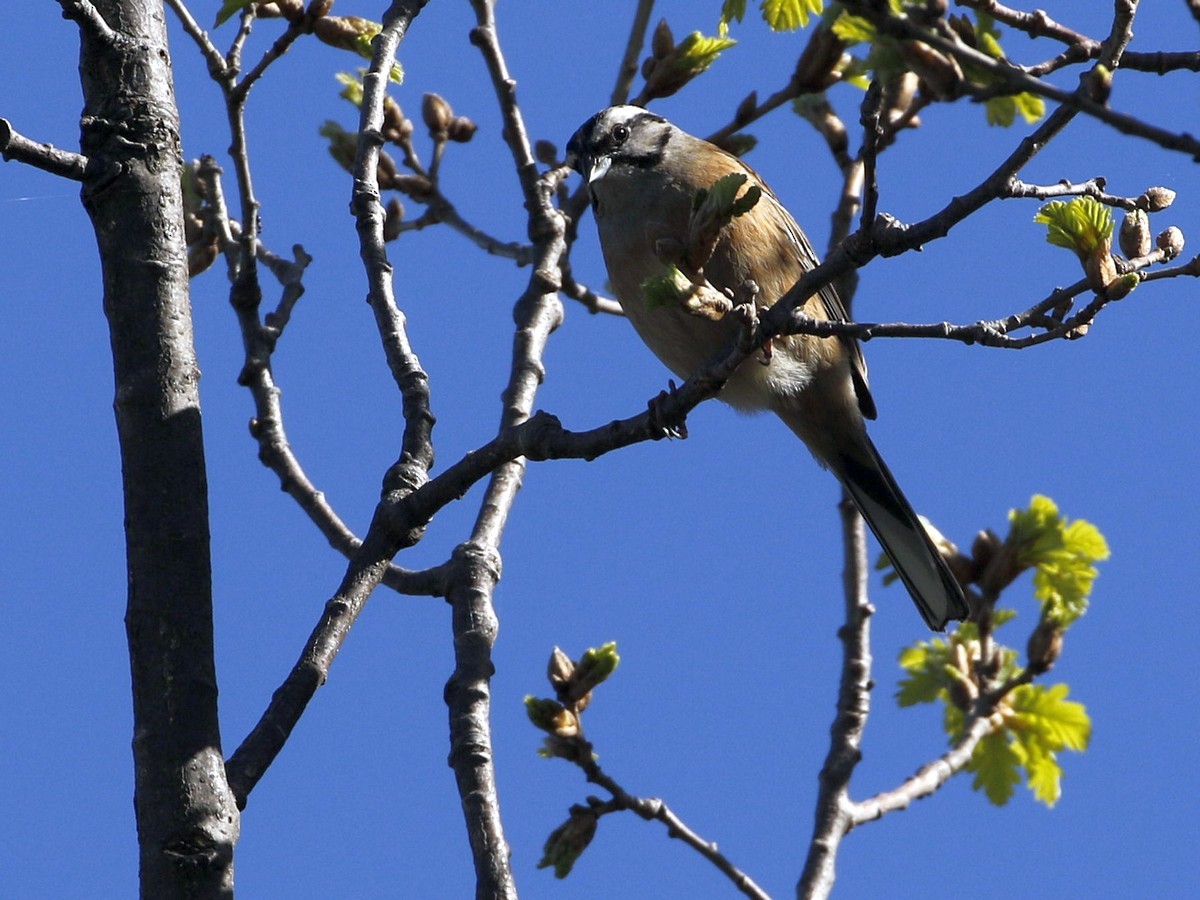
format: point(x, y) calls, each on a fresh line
point(187, 821)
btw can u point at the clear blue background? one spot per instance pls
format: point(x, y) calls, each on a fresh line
point(714, 562)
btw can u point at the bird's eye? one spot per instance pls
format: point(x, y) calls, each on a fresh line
point(620, 133)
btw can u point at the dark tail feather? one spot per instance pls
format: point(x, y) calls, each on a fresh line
point(890, 516)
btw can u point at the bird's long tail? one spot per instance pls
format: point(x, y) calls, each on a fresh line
point(891, 517)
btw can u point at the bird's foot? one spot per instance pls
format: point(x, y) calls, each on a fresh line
point(667, 424)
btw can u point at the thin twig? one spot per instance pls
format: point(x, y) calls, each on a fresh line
point(633, 49)
point(86, 14)
point(1021, 81)
point(216, 62)
point(928, 779)
point(14, 146)
point(389, 531)
point(833, 808)
point(654, 809)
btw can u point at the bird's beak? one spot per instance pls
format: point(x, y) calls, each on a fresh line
point(591, 168)
point(597, 168)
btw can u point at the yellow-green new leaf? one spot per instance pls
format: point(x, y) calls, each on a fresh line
point(671, 289)
point(853, 29)
point(1085, 540)
point(1083, 225)
point(1059, 723)
point(925, 663)
point(732, 11)
point(353, 90)
point(788, 15)
point(1031, 107)
point(228, 8)
point(996, 764)
point(697, 52)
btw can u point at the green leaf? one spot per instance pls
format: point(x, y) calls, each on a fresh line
point(1001, 111)
point(1031, 107)
point(1057, 723)
point(996, 764)
point(853, 29)
point(1085, 540)
point(732, 11)
point(670, 289)
point(926, 664)
point(353, 90)
point(228, 8)
point(696, 52)
point(788, 15)
point(567, 842)
point(1043, 722)
point(1083, 224)
point(598, 663)
point(1063, 554)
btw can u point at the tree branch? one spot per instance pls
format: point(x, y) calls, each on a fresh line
point(48, 158)
point(834, 807)
point(653, 809)
point(389, 531)
point(633, 49)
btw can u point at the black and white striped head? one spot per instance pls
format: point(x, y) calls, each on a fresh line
point(623, 136)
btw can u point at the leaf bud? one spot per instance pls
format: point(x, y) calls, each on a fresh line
point(1044, 647)
point(568, 841)
point(738, 144)
point(1135, 234)
point(1100, 268)
point(1156, 199)
point(201, 256)
point(386, 172)
point(817, 67)
point(393, 219)
point(560, 669)
point(662, 42)
point(746, 109)
point(1170, 242)
point(319, 8)
point(461, 129)
point(1121, 287)
point(545, 152)
point(437, 115)
point(418, 187)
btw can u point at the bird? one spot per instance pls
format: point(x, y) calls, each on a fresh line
point(643, 175)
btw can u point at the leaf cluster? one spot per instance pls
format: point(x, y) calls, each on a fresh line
point(976, 677)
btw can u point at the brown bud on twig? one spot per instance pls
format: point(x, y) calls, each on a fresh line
point(560, 669)
point(746, 109)
point(201, 256)
point(938, 72)
point(437, 115)
point(386, 172)
point(1135, 234)
point(343, 32)
point(1156, 199)
point(319, 8)
point(292, 10)
point(817, 67)
point(649, 64)
point(396, 126)
point(193, 227)
point(545, 152)
point(461, 129)
point(1170, 242)
point(418, 187)
point(1100, 268)
point(393, 219)
point(1044, 647)
point(662, 42)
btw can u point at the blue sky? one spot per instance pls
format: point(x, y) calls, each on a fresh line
point(714, 562)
